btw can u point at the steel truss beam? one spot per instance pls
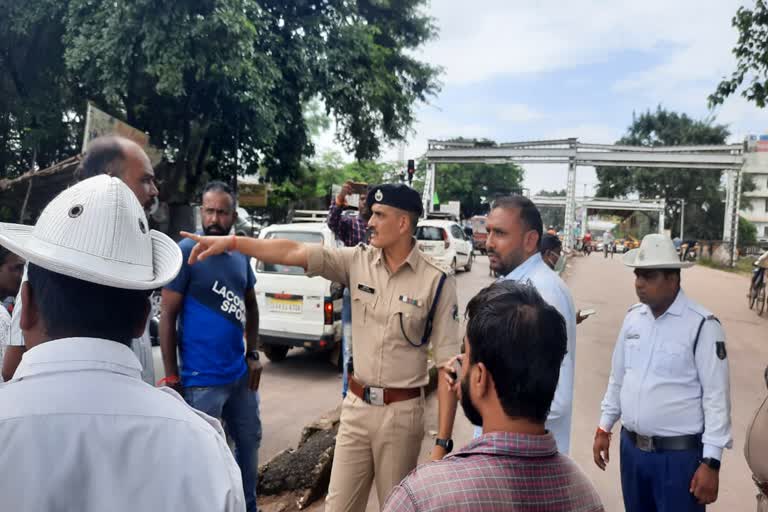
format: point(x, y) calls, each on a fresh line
point(728, 157)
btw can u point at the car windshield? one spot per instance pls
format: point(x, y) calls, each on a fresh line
point(297, 236)
point(429, 233)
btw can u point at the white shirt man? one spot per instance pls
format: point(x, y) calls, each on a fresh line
point(669, 385)
point(80, 429)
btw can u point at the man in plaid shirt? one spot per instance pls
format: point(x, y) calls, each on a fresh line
point(351, 232)
point(514, 345)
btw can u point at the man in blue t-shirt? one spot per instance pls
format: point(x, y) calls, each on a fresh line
point(205, 312)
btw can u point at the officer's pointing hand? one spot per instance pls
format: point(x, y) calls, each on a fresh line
point(704, 485)
point(207, 246)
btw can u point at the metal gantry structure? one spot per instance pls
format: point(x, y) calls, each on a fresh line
point(656, 206)
point(727, 157)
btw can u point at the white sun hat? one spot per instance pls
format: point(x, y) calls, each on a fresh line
point(655, 251)
point(97, 231)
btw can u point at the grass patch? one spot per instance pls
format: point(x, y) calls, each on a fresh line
point(743, 265)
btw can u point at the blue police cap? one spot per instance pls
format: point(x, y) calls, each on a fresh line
point(396, 195)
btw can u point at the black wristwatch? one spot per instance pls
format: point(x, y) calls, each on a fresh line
point(713, 464)
point(445, 443)
point(252, 354)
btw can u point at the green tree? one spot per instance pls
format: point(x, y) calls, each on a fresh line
point(702, 191)
point(475, 185)
point(747, 232)
point(751, 53)
point(223, 85)
point(39, 114)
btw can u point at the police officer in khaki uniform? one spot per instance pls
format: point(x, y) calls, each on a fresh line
point(756, 451)
point(402, 303)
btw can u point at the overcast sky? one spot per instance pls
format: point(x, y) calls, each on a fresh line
point(524, 70)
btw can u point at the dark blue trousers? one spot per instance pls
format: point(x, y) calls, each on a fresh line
point(658, 481)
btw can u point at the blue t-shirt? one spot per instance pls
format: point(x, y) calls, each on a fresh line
point(212, 317)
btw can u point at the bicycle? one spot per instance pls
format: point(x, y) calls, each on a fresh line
point(757, 294)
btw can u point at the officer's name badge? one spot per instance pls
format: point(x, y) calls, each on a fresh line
point(412, 302)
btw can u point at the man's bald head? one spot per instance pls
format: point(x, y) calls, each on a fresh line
point(123, 159)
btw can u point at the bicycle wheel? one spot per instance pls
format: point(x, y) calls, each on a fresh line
point(761, 299)
point(752, 296)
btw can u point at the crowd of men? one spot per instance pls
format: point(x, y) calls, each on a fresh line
point(82, 431)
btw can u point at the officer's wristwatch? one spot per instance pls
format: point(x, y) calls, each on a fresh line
point(252, 354)
point(447, 444)
point(713, 464)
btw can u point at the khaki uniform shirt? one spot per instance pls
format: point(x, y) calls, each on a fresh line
point(383, 355)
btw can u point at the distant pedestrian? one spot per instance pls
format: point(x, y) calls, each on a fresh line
point(608, 242)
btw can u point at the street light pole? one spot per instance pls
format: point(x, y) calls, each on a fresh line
point(682, 218)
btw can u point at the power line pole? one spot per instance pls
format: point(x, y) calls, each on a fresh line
point(682, 218)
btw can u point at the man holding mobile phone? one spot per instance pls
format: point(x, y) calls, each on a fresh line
point(351, 231)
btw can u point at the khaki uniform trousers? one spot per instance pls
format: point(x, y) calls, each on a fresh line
point(756, 452)
point(374, 442)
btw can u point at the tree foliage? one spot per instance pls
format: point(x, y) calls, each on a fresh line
point(475, 185)
point(751, 52)
point(39, 124)
point(221, 85)
point(747, 232)
point(312, 188)
point(702, 191)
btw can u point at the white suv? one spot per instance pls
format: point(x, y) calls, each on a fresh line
point(296, 310)
point(446, 242)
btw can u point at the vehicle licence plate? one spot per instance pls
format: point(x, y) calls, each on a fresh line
point(285, 305)
point(425, 248)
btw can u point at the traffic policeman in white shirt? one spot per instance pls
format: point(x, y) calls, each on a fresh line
point(669, 384)
point(80, 430)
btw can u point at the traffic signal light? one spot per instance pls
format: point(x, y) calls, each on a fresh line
point(411, 171)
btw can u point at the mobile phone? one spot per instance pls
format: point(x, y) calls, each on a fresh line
point(587, 312)
point(455, 370)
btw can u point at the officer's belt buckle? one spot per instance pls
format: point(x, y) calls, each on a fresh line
point(373, 396)
point(644, 443)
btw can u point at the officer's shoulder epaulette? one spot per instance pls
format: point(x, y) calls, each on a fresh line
point(702, 311)
point(634, 306)
point(436, 264)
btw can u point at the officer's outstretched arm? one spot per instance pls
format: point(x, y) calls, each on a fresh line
point(275, 251)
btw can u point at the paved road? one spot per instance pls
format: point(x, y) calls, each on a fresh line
point(302, 387)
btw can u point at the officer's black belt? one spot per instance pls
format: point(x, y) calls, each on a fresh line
point(663, 444)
